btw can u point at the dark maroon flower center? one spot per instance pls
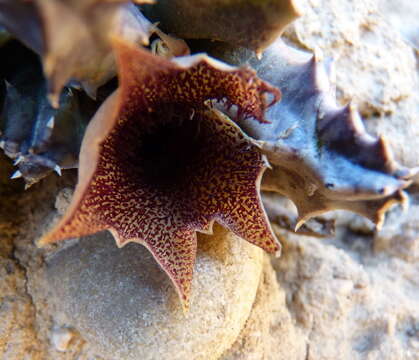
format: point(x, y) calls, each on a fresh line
point(163, 148)
point(170, 152)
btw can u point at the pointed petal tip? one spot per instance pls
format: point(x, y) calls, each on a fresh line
point(53, 236)
point(45, 240)
point(182, 290)
point(185, 303)
point(270, 245)
point(184, 293)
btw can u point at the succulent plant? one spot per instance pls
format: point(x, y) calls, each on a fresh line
point(39, 138)
point(251, 23)
point(184, 164)
point(73, 37)
point(321, 155)
point(184, 142)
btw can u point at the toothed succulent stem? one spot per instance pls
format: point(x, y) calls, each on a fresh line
point(321, 155)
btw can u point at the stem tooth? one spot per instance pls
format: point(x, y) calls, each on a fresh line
point(16, 175)
point(57, 169)
point(51, 122)
point(18, 160)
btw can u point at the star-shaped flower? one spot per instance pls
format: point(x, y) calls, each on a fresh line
point(158, 163)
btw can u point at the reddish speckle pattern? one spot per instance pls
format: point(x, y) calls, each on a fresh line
point(156, 80)
point(213, 170)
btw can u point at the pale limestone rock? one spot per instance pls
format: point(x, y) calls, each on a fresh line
point(401, 129)
point(25, 306)
point(270, 332)
point(123, 304)
point(363, 48)
point(403, 15)
point(18, 337)
point(374, 67)
point(17, 322)
point(400, 236)
point(63, 200)
point(351, 305)
point(61, 338)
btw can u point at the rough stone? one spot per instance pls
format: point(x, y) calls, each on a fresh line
point(350, 305)
point(375, 68)
point(403, 15)
point(17, 332)
point(401, 129)
point(362, 46)
point(126, 308)
point(63, 200)
point(399, 237)
point(18, 338)
point(270, 332)
point(61, 338)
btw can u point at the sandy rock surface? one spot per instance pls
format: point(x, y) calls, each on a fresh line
point(353, 296)
point(404, 15)
point(375, 68)
point(125, 306)
point(270, 332)
point(351, 303)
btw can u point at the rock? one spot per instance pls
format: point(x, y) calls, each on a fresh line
point(362, 45)
point(18, 338)
point(403, 15)
point(17, 325)
point(61, 338)
point(350, 306)
point(63, 200)
point(400, 236)
point(401, 129)
point(123, 304)
point(270, 332)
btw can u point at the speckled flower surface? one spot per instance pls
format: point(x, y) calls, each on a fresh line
point(158, 163)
